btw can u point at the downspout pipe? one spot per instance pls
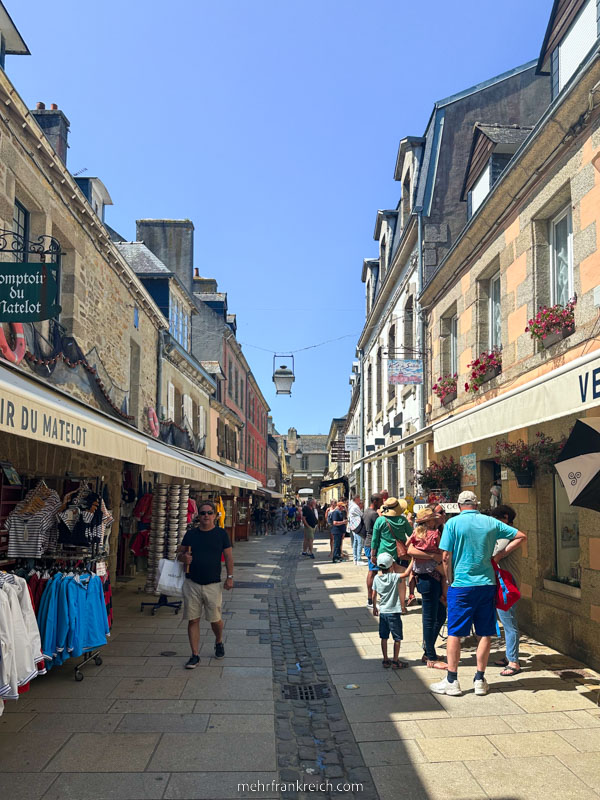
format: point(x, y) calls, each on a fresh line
point(361, 423)
point(421, 332)
point(159, 374)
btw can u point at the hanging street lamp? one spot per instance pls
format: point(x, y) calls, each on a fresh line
point(283, 376)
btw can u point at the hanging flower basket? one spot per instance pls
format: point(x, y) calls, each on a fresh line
point(443, 474)
point(445, 388)
point(525, 459)
point(525, 478)
point(551, 324)
point(483, 369)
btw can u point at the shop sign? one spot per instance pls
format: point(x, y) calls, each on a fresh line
point(405, 371)
point(28, 292)
point(17, 417)
point(271, 484)
point(469, 465)
point(352, 442)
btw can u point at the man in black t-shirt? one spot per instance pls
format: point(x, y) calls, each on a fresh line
point(201, 550)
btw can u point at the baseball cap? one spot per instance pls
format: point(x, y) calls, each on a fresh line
point(384, 560)
point(467, 498)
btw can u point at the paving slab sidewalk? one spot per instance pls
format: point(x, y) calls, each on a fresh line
point(139, 726)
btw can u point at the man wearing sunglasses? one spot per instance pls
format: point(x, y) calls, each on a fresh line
point(201, 550)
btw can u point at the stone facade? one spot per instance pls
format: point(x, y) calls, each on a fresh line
point(513, 239)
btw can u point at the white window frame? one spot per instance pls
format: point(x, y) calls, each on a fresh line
point(454, 344)
point(566, 212)
point(188, 409)
point(491, 313)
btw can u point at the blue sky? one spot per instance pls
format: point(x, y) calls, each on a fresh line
point(274, 126)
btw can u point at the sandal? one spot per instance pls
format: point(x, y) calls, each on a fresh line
point(386, 663)
point(508, 672)
point(437, 665)
point(502, 663)
point(399, 664)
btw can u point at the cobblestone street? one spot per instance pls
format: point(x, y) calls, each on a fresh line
point(277, 708)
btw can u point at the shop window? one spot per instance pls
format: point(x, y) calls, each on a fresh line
point(21, 228)
point(561, 258)
point(566, 531)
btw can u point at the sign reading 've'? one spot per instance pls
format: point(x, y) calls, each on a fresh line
point(28, 292)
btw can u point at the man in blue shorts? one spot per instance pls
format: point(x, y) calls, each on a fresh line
point(467, 545)
point(370, 516)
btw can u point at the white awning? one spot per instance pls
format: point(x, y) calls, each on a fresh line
point(235, 477)
point(168, 460)
point(34, 410)
point(569, 389)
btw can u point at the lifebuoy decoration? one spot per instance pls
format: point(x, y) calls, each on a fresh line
point(13, 354)
point(153, 422)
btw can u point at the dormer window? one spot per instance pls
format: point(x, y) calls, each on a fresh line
point(574, 46)
point(492, 148)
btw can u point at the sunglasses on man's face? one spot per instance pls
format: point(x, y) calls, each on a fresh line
point(205, 513)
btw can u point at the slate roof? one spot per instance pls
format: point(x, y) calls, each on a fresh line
point(142, 260)
point(312, 443)
point(505, 134)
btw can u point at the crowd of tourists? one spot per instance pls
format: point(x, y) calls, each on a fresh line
point(456, 565)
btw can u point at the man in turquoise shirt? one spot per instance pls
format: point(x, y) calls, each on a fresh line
point(467, 544)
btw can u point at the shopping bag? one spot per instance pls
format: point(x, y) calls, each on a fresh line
point(507, 592)
point(171, 575)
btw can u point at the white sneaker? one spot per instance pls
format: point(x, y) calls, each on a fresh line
point(445, 687)
point(481, 687)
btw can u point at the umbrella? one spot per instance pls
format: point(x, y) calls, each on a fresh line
point(579, 464)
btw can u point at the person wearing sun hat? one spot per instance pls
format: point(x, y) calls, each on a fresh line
point(390, 532)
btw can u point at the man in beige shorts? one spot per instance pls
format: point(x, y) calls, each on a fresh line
point(201, 550)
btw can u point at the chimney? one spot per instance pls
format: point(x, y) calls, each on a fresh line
point(171, 240)
point(56, 127)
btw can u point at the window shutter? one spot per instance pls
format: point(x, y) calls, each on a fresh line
point(187, 410)
point(170, 401)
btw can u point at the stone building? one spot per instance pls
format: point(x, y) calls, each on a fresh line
point(531, 242)
point(304, 462)
point(412, 240)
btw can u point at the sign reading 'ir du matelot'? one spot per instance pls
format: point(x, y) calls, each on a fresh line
point(28, 292)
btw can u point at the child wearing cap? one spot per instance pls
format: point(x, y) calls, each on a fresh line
point(386, 589)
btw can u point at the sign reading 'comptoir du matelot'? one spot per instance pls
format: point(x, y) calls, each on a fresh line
point(28, 292)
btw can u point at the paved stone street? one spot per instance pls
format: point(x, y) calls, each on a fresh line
point(277, 707)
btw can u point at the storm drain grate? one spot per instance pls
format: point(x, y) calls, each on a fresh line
point(306, 692)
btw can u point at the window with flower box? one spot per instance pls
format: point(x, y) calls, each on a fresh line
point(561, 258)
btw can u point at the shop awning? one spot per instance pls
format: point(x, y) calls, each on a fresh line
point(570, 389)
point(235, 477)
point(168, 460)
point(34, 410)
point(269, 493)
point(28, 408)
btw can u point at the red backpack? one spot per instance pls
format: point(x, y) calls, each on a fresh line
point(507, 592)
